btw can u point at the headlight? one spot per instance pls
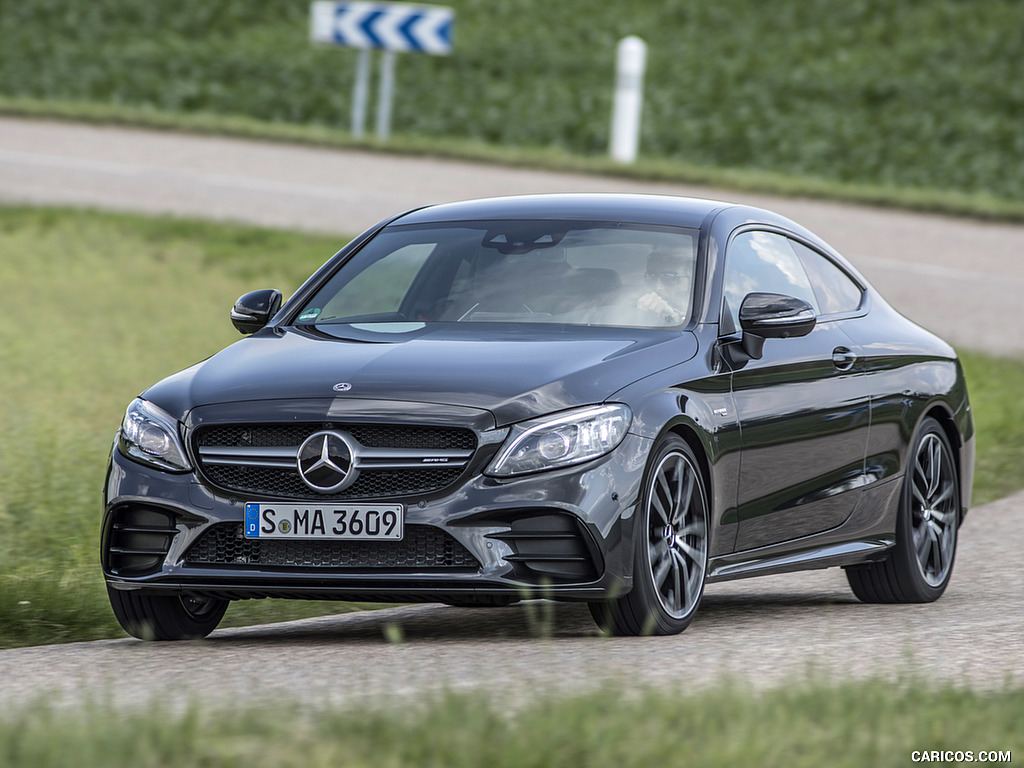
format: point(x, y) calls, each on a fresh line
point(567, 438)
point(150, 435)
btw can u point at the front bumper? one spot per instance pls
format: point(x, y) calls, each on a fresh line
point(564, 534)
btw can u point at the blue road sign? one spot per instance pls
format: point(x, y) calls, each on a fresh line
point(389, 26)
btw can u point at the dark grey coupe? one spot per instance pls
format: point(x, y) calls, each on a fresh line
point(609, 399)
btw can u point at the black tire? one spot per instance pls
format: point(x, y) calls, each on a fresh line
point(166, 617)
point(920, 565)
point(672, 533)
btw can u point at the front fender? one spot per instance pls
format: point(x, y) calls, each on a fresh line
point(696, 403)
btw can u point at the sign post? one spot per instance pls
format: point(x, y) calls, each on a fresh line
point(391, 27)
point(361, 92)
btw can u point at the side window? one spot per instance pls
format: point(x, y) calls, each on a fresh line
point(835, 291)
point(762, 262)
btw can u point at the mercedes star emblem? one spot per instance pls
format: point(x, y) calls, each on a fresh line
point(325, 462)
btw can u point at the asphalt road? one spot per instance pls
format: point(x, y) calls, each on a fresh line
point(960, 278)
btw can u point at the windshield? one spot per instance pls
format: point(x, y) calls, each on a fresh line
point(576, 273)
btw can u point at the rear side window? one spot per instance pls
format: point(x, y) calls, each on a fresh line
point(835, 291)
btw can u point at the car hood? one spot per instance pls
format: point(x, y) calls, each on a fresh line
point(515, 372)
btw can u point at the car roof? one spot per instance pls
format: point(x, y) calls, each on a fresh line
point(635, 209)
point(664, 210)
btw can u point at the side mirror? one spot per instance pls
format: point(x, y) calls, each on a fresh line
point(254, 310)
point(773, 316)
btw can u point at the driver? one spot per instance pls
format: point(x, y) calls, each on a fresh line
point(668, 277)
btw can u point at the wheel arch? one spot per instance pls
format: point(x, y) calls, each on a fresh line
point(633, 613)
point(689, 435)
point(941, 412)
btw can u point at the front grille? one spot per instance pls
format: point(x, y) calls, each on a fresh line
point(402, 460)
point(423, 547)
point(370, 435)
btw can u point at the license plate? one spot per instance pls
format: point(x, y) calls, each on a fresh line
point(383, 522)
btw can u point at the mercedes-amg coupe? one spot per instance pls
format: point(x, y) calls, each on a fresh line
point(614, 399)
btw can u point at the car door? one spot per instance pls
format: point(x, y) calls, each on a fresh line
point(803, 407)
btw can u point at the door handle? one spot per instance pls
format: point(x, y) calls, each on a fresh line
point(843, 358)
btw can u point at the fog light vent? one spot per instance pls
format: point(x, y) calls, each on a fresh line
point(549, 546)
point(138, 539)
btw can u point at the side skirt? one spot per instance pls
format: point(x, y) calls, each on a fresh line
point(741, 565)
point(868, 535)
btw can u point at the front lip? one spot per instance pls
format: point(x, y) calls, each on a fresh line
point(430, 589)
point(514, 373)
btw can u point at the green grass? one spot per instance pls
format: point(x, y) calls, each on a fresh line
point(995, 385)
point(99, 306)
point(853, 724)
point(918, 102)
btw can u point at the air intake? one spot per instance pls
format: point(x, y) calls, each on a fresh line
point(138, 539)
point(549, 547)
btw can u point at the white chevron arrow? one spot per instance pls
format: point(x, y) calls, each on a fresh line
point(391, 26)
point(387, 28)
point(427, 30)
point(349, 24)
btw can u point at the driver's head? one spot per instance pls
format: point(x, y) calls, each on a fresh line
point(668, 273)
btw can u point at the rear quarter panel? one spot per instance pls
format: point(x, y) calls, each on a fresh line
point(914, 374)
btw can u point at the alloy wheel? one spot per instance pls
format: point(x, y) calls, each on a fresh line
point(933, 518)
point(677, 534)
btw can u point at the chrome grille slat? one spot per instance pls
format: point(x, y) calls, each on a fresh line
point(370, 435)
point(282, 458)
point(368, 458)
point(411, 457)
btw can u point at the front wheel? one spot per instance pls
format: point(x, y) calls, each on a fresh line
point(919, 566)
point(166, 617)
point(671, 557)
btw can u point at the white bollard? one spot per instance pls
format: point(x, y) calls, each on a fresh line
point(630, 63)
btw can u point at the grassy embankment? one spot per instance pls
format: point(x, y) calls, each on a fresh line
point(97, 307)
point(915, 104)
point(105, 305)
point(807, 726)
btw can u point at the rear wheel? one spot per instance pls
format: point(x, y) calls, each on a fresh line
point(166, 617)
point(671, 557)
point(920, 565)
